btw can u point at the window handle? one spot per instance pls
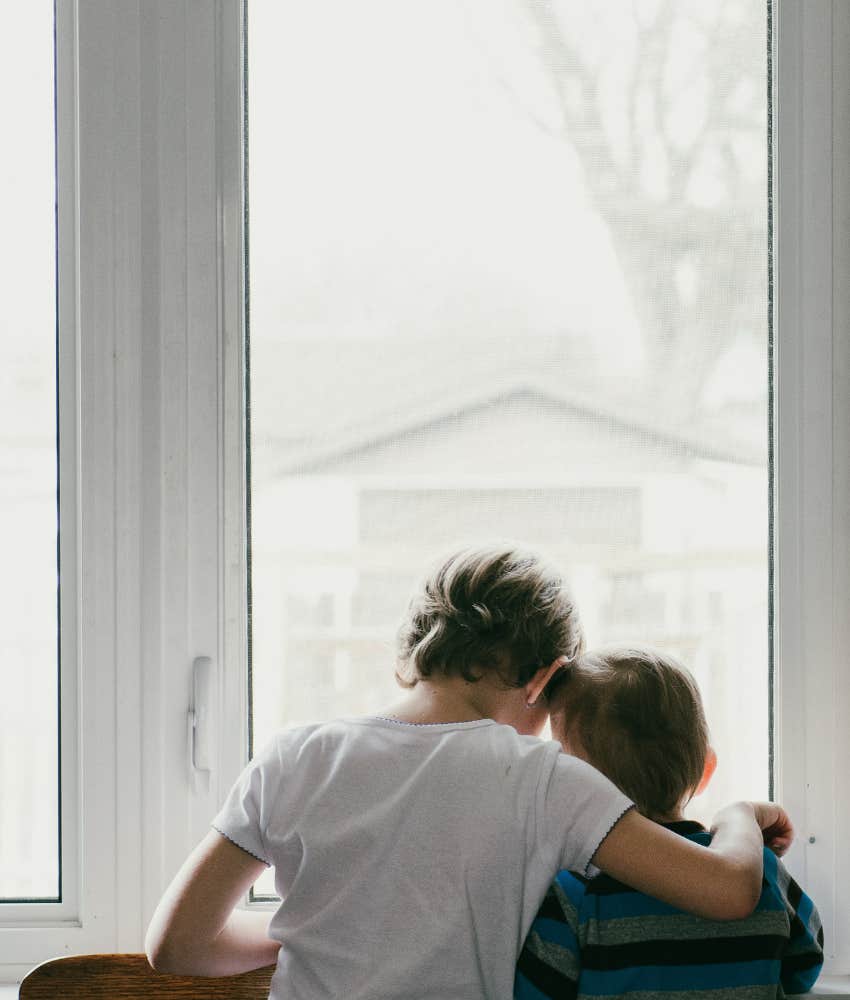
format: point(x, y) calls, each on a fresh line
point(200, 717)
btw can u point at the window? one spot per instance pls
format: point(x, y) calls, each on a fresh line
point(535, 288)
point(141, 105)
point(29, 689)
point(525, 296)
point(152, 391)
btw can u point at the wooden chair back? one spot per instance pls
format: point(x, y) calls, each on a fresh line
point(130, 977)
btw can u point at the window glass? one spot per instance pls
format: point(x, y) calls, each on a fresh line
point(508, 271)
point(29, 723)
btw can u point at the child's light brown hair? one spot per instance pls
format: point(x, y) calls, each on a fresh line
point(638, 716)
point(494, 609)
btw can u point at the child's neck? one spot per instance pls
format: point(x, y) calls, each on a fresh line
point(676, 815)
point(440, 702)
point(453, 699)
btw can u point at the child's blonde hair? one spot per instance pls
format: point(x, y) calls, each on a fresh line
point(638, 716)
point(492, 609)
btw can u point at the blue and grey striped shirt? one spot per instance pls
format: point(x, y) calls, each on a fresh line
point(598, 938)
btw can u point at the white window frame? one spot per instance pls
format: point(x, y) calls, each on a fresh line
point(812, 449)
point(149, 188)
point(58, 923)
point(151, 291)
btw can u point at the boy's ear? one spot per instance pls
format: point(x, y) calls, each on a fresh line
point(541, 678)
point(707, 771)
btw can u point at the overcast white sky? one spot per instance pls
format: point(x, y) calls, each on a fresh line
point(397, 189)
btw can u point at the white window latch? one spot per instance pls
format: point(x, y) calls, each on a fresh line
point(200, 718)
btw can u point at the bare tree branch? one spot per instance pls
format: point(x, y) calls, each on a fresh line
point(655, 239)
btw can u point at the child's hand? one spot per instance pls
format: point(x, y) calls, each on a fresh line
point(776, 826)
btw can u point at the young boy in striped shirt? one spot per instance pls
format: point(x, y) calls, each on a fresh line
point(637, 716)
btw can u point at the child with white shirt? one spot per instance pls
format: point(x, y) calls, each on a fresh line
point(411, 849)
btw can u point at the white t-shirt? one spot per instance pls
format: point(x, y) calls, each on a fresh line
point(411, 859)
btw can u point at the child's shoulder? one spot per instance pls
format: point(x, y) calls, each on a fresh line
point(284, 743)
point(574, 884)
point(594, 885)
point(781, 891)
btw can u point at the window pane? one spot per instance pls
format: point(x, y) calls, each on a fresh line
point(29, 788)
point(509, 278)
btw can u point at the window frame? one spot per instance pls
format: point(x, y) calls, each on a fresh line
point(150, 298)
point(811, 195)
point(88, 601)
point(154, 507)
point(810, 428)
point(59, 917)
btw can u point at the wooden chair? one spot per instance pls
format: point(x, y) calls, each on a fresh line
point(129, 977)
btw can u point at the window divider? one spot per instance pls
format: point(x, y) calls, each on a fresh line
point(812, 340)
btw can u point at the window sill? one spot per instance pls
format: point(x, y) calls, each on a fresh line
point(837, 987)
point(832, 986)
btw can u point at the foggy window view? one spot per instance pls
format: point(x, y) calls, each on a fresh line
point(508, 278)
point(29, 849)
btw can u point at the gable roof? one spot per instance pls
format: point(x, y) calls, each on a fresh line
point(323, 403)
point(318, 457)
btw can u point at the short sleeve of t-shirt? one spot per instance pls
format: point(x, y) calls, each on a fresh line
point(244, 815)
point(577, 809)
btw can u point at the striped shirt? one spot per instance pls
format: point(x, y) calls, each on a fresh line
point(599, 938)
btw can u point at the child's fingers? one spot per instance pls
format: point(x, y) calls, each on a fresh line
point(775, 823)
point(779, 845)
point(779, 836)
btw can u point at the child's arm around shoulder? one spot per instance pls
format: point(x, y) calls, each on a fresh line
point(720, 882)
